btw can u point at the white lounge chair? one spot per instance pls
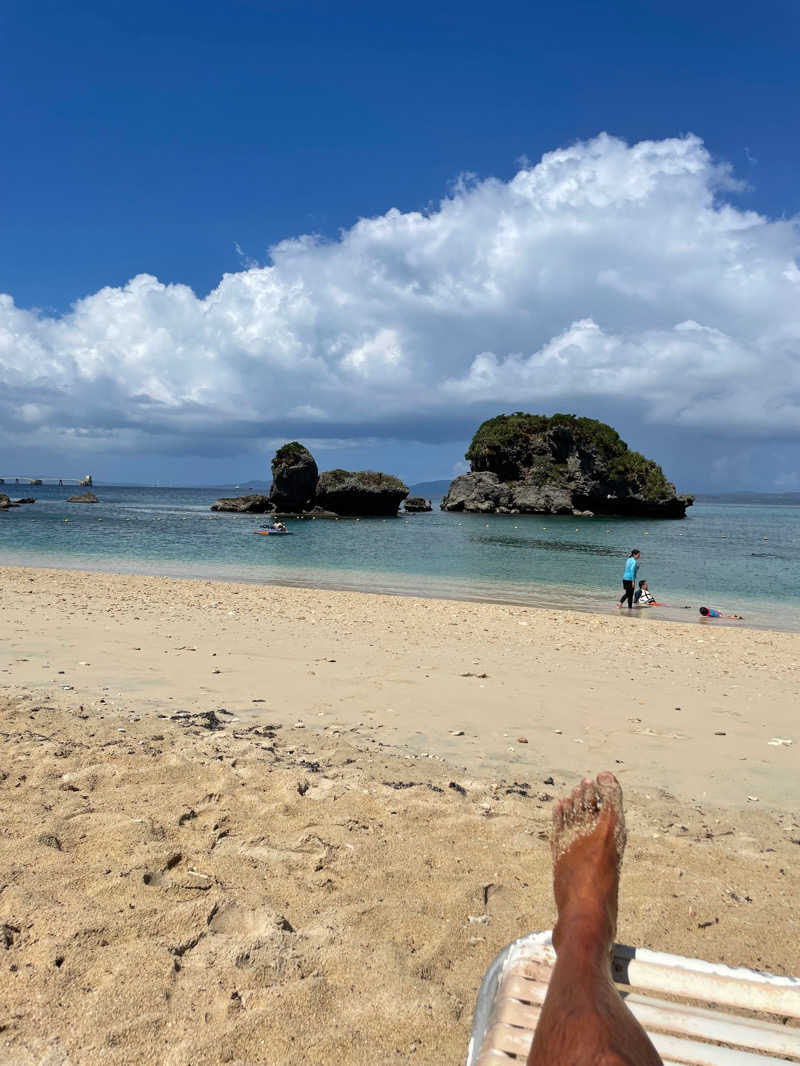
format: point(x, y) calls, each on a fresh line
point(719, 1016)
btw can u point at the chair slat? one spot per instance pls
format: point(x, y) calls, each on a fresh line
point(493, 1057)
point(509, 1039)
point(726, 991)
point(693, 1053)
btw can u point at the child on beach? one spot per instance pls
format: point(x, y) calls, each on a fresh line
point(629, 577)
point(712, 612)
point(643, 596)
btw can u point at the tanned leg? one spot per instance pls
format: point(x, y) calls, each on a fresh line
point(584, 1022)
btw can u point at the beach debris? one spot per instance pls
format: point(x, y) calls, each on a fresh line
point(488, 890)
point(548, 781)
point(780, 742)
point(469, 674)
point(720, 733)
point(199, 873)
point(50, 840)
point(753, 799)
point(457, 788)
point(302, 787)
point(706, 925)
point(522, 740)
point(456, 732)
point(206, 719)
point(518, 788)
point(479, 919)
point(7, 934)
point(187, 816)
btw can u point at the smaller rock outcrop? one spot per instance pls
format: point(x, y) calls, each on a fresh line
point(362, 492)
point(294, 479)
point(86, 497)
point(255, 503)
point(5, 502)
point(26, 499)
point(417, 504)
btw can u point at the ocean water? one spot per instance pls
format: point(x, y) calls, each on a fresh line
point(737, 555)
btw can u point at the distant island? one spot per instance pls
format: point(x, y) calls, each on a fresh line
point(534, 464)
point(298, 489)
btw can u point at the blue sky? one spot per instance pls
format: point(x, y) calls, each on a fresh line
point(186, 141)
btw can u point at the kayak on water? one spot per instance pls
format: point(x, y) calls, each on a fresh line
point(273, 531)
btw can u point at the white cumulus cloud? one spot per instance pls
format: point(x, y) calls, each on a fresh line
point(603, 273)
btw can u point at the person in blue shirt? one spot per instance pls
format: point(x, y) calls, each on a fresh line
point(629, 577)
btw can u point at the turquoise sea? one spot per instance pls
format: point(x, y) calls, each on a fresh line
point(736, 554)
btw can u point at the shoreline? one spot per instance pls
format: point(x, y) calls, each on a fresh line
point(595, 601)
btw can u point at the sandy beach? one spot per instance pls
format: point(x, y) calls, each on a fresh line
point(254, 824)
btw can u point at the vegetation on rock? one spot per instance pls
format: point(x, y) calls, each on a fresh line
point(360, 492)
point(290, 452)
point(363, 478)
point(560, 463)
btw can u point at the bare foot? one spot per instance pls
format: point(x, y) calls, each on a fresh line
point(584, 1022)
point(588, 841)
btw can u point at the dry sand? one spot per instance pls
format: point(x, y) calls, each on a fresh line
point(326, 874)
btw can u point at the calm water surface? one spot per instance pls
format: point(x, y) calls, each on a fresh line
point(739, 557)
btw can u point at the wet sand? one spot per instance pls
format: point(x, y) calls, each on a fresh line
point(324, 867)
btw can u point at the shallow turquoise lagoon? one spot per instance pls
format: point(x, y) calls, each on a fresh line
point(739, 557)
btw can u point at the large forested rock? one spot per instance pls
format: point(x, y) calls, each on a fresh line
point(255, 503)
point(362, 492)
point(294, 479)
point(532, 464)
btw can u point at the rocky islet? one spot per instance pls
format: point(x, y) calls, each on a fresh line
point(535, 464)
point(298, 490)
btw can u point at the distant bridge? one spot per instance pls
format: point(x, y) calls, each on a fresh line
point(28, 479)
